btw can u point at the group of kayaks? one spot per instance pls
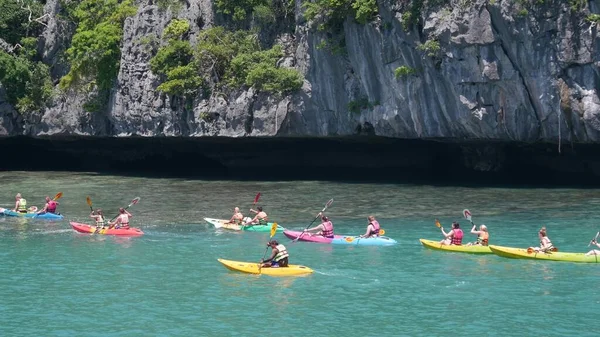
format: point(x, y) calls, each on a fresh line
point(291, 270)
point(511, 252)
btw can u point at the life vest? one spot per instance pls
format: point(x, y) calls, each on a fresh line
point(100, 222)
point(282, 253)
point(124, 221)
point(375, 230)
point(483, 238)
point(51, 206)
point(327, 229)
point(22, 205)
point(457, 237)
point(263, 221)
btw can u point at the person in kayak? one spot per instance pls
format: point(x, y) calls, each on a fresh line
point(98, 216)
point(545, 243)
point(261, 217)
point(237, 217)
point(122, 221)
point(594, 251)
point(50, 206)
point(325, 228)
point(454, 236)
point(372, 228)
point(482, 236)
point(20, 204)
point(279, 256)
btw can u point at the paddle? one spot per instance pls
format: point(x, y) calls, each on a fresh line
point(133, 202)
point(273, 231)
point(467, 215)
point(315, 219)
point(595, 238)
point(253, 204)
point(89, 202)
point(56, 197)
point(437, 223)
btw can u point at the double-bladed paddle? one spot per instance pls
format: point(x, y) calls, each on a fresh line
point(315, 219)
point(133, 202)
point(594, 239)
point(273, 231)
point(467, 215)
point(89, 202)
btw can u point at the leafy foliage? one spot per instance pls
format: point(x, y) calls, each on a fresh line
point(430, 47)
point(403, 71)
point(95, 49)
point(238, 9)
point(330, 14)
point(27, 82)
point(14, 20)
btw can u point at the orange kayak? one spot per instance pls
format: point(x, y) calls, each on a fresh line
point(83, 228)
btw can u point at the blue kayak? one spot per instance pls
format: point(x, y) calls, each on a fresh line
point(50, 216)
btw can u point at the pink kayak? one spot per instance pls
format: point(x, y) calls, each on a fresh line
point(341, 239)
point(83, 228)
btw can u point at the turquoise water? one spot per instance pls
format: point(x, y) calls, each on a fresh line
point(55, 282)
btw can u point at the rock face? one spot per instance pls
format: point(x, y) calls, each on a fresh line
point(500, 74)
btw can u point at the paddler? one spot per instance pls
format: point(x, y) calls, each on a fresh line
point(594, 251)
point(237, 217)
point(279, 255)
point(122, 221)
point(482, 235)
point(325, 228)
point(372, 228)
point(98, 216)
point(50, 206)
point(20, 204)
point(454, 236)
point(545, 243)
point(260, 218)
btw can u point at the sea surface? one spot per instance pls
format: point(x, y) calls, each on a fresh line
point(56, 282)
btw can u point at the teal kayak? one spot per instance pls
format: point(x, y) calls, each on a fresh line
point(220, 223)
point(33, 215)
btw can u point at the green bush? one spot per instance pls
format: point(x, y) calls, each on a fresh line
point(14, 20)
point(330, 14)
point(238, 9)
point(430, 47)
point(182, 81)
point(361, 103)
point(27, 83)
point(594, 18)
point(267, 77)
point(95, 50)
point(403, 71)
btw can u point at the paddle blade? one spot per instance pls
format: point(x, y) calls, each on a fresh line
point(89, 201)
point(467, 214)
point(274, 229)
point(328, 204)
point(58, 196)
point(437, 223)
point(256, 197)
point(381, 231)
point(134, 201)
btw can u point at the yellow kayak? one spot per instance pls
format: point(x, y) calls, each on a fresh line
point(473, 249)
point(520, 253)
point(252, 268)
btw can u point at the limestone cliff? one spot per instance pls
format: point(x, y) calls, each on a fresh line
point(502, 71)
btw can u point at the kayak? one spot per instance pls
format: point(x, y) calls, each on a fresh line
point(474, 249)
point(341, 239)
point(83, 228)
point(252, 268)
point(51, 216)
point(220, 223)
point(520, 253)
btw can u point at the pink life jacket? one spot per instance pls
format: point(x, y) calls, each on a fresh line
point(457, 237)
point(51, 206)
point(327, 229)
point(375, 230)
